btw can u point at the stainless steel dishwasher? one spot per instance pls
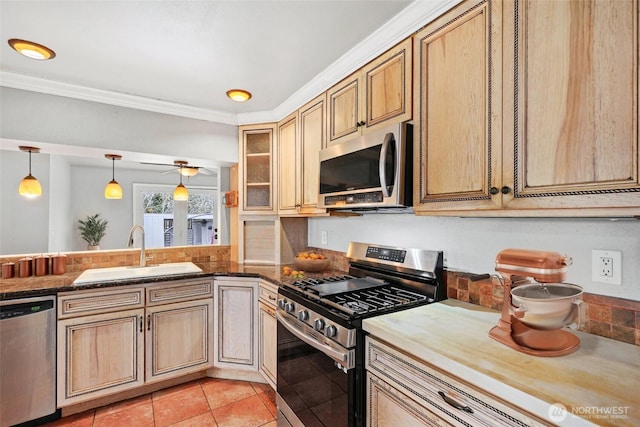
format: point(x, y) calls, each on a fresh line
point(27, 360)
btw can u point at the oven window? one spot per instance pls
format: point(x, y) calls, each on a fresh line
point(358, 170)
point(311, 384)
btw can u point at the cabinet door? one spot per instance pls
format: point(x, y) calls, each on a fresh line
point(236, 311)
point(312, 140)
point(457, 100)
point(288, 169)
point(388, 86)
point(345, 114)
point(268, 350)
point(99, 355)
point(257, 157)
point(179, 339)
point(572, 76)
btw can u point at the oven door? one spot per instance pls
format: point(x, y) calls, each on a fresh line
point(316, 379)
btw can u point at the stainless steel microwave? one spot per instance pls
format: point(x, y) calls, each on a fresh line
point(371, 171)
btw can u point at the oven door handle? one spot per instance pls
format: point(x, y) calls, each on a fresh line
point(345, 359)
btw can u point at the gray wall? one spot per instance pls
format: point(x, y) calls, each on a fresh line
point(32, 116)
point(24, 223)
point(471, 244)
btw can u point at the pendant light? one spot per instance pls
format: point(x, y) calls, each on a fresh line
point(29, 186)
point(181, 192)
point(113, 189)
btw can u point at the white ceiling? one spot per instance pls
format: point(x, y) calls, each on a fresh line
point(189, 53)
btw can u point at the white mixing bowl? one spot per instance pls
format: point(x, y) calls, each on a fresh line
point(547, 306)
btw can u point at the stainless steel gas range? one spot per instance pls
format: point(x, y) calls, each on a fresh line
point(321, 377)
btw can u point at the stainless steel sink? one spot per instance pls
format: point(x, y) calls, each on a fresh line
point(96, 275)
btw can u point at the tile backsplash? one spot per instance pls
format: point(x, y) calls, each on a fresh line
point(609, 317)
point(80, 261)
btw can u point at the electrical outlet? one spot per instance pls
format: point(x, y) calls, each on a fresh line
point(323, 237)
point(606, 267)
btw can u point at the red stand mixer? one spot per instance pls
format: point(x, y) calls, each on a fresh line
point(536, 305)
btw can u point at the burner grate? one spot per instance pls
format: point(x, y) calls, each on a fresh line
point(371, 300)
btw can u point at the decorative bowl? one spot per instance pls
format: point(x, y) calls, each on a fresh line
point(311, 265)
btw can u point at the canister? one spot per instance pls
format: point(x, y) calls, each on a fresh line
point(8, 270)
point(59, 264)
point(41, 265)
point(25, 267)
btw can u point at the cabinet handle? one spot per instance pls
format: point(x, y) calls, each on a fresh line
point(494, 190)
point(505, 190)
point(141, 323)
point(148, 322)
point(362, 123)
point(272, 298)
point(455, 403)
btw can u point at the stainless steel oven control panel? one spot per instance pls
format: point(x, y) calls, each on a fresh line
point(346, 337)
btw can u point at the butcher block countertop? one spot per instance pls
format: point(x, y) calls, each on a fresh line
point(600, 382)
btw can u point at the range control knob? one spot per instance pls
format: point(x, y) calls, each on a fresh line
point(331, 331)
point(303, 315)
point(289, 307)
point(318, 324)
point(282, 302)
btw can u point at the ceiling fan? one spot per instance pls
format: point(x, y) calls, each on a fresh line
point(182, 167)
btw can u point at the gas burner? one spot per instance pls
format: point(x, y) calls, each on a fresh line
point(310, 281)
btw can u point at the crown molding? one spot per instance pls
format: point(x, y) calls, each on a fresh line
point(51, 87)
point(401, 26)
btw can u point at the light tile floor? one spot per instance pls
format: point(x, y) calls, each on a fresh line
point(207, 402)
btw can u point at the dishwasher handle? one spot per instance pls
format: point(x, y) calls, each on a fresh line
point(10, 311)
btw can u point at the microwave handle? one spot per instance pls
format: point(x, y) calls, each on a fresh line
point(381, 163)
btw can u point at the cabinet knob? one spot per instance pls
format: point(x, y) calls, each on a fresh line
point(505, 190)
point(494, 190)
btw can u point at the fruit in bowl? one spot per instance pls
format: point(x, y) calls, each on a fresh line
point(311, 261)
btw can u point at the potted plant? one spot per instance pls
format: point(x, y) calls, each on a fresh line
point(92, 229)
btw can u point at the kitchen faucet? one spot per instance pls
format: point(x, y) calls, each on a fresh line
point(143, 261)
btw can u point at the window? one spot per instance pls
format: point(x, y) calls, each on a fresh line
point(176, 223)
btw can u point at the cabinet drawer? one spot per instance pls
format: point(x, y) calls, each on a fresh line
point(179, 291)
point(84, 303)
point(268, 294)
point(426, 388)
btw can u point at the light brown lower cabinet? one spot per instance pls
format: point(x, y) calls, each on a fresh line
point(236, 333)
point(403, 391)
point(268, 331)
point(114, 340)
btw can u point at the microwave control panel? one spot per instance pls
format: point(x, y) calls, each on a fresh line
point(352, 199)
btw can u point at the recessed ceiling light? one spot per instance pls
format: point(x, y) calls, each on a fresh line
point(238, 95)
point(32, 50)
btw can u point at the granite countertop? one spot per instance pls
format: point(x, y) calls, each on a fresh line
point(600, 381)
point(52, 284)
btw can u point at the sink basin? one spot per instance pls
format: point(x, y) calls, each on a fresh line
point(96, 275)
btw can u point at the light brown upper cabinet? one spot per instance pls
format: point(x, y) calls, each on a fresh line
point(457, 95)
point(288, 165)
point(571, 111)
point(312, 119)
point(377, 93)
point(256, 171)
point(301, 136)
point(528, 108)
